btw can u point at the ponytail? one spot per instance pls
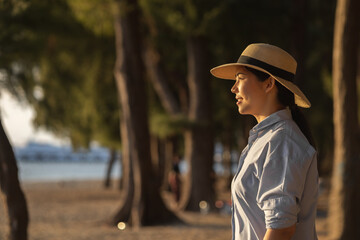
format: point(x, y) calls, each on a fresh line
point(287, 99)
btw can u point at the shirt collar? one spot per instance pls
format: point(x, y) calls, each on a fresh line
point(281, 115)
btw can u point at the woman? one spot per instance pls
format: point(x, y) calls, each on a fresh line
point(274, 191)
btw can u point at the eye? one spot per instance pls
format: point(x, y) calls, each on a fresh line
point(239, 76)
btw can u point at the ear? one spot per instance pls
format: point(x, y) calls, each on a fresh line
point(269, 84)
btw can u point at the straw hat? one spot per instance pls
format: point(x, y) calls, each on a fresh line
point(271, 60)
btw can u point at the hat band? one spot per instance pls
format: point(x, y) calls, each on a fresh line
point(270, 68)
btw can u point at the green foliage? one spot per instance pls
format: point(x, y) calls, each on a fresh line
point(327, 82)
point(96, 15)
point(184, 17)
point(17, 48)
point(74, 68)
point(163, 125)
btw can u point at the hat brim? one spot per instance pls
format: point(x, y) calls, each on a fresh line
point(228, 71)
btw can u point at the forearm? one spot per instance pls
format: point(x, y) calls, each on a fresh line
point(280, 234)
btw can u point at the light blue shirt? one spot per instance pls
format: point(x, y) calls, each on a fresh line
point(276, 183)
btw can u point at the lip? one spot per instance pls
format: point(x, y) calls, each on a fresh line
point(239, 100)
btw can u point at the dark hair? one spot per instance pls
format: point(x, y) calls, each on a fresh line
point(287, 99)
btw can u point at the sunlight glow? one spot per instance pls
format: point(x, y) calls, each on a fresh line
point(121, 226)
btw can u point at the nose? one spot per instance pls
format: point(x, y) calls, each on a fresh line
point(234, 88)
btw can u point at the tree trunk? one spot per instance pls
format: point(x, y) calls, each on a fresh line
point(127, 194)
point(162, 153)
point(199, 181)
point(121, 177)
point(10, 187)
point(159, 80)
point(345, 195)
point(107, 182)
point(147, 206)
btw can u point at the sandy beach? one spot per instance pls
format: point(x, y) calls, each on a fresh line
point(76, 210)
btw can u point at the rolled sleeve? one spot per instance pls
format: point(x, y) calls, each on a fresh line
point(280, 212)
point(281, 183)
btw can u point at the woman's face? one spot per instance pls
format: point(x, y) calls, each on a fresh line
point(249, 92)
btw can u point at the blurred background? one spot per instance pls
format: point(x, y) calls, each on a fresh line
point(106, 102)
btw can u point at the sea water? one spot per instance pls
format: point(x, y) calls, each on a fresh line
point(64, 171)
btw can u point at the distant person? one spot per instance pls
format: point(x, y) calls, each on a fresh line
point(174, 179)
point(274, 191)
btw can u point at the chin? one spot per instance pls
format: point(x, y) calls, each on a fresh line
point(243, 111)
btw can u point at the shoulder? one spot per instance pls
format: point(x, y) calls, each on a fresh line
point(285, 138)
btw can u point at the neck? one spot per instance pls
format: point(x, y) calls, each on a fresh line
point(267, 112)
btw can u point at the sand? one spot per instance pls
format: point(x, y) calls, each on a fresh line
point(76, 210)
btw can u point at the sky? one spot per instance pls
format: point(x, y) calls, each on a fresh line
point(17, 122)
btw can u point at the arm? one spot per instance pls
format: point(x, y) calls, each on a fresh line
point(280, 234)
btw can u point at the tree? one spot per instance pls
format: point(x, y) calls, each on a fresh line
point(345, 195)
point(142, 204)
point(189, 21)
point(13, 194)
point(199, 140)
point(164, 127)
